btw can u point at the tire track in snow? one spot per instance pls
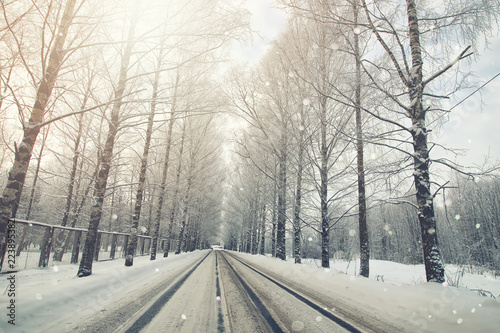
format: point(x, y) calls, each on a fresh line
point(148, 314)
point(266, 314)
point(339, 321)
point(220, 316)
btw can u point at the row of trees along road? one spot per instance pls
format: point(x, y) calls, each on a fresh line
point(333, 123)
point(346, 80)
point(109, 76)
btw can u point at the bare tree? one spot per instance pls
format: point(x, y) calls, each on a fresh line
point(175, 197)
point(61, 240)
point(264, 103)
point(85, 267)
point(202, 151)
point(132, 241)
point(406, 56)
point(364, 245)
point(11, 194)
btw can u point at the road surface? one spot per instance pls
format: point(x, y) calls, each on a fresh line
point(219, 292)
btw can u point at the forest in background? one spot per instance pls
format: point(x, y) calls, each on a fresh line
point(133, 118)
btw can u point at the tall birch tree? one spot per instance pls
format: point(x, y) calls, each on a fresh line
point(406, 54)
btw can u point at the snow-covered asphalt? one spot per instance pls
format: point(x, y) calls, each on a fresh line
point(222, 291)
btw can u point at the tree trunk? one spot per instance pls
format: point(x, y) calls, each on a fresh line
point(173, 209)
point(37, 172)
point(76, 214)
point(263, 230)
point(163, 186)
point(364, 246)
point(11, 195)
point(132, 240)
point(273, 232)
point(432, 258)
point(186, 206)
point(282, 175)
point(325, 223)
point(185, 236)
point(183, 222)
point(58, 247)
point(85, 268)
point(79, 208)
point(255, 227)
point(298, 193)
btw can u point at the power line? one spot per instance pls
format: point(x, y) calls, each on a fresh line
point(475, 91)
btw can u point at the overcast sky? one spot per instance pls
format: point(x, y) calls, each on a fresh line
point(474, 124)
point(267, 22)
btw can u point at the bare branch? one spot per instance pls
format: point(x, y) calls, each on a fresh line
point(461, 56)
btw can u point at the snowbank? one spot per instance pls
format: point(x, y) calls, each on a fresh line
point(403, 297)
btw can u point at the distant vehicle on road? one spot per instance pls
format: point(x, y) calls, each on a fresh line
point(217, 247)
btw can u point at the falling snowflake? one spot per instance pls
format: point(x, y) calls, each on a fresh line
point(297, 326)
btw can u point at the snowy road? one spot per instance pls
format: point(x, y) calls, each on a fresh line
point(222, 293)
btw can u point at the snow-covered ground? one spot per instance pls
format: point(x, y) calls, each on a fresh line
point(403, 296)
point(399, 274)
point(55, 298)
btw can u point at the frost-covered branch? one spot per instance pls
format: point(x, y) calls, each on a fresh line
point(461, 56)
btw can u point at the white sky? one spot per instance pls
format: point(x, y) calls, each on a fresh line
point(267, 22)
point(473, 125)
